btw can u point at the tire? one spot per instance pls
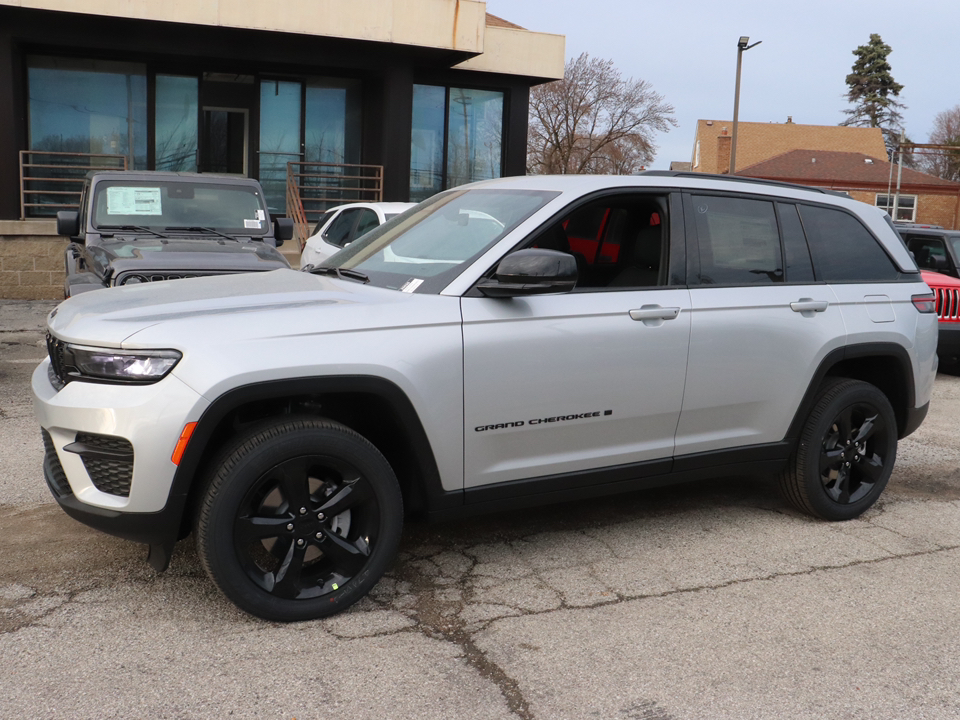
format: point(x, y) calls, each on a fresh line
point(846, 452)
point(299, 520)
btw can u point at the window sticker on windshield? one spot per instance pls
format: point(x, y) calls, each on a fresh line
point(133, 201)
point(261, 215)
point(251, 224)
point(410, 285)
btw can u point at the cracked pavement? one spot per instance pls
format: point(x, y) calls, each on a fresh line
point(710, 600)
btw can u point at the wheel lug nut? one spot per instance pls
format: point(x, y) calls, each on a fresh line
point(321, 517)
point(300, 542)
point(289, 526)
point(303, 511)
point(319, 536)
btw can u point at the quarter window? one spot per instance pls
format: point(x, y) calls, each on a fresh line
point(843, 249)
point(738, 240)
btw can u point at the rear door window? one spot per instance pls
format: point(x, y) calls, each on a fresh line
point(738, 240)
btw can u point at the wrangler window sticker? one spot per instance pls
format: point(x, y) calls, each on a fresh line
point(541, 421)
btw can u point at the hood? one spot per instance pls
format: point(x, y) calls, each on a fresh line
point(935, 279)
point(186, 255)
point(223, 308)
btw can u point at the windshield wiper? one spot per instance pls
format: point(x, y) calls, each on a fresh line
point(340, 273)
point(197, 228)
point(136, 228)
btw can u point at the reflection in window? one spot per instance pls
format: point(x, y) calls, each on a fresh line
point(332, 133)
point(471, 143)
point(88, 106)
point(473, 137)
point(176, 124)
point(426, 143)
point(279, 138)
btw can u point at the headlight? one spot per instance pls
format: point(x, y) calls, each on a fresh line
point(109, 365)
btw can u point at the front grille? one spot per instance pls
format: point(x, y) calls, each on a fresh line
point(54, 470)
point(108, 460)
point(58, 376)
point(134, 278)
point(948, 303)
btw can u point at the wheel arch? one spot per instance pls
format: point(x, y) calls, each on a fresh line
point(887, 366)
point(376, 408)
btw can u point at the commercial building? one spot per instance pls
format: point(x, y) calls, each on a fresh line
point(371, 99)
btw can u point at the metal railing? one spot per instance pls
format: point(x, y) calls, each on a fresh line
point(51, 181)
point(313, 188)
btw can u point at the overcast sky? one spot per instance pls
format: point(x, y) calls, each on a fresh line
point(687, 50)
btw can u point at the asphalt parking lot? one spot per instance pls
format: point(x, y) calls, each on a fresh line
point(712, 600)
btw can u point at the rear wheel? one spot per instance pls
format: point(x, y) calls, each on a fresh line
point(300, 520)
point(846, 452)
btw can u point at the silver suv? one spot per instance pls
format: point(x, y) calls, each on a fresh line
point(502, 344)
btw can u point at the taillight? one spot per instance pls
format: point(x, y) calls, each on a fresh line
point(926, 303)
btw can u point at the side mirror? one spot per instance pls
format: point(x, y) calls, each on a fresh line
point(534, 271)
point(68, 222)
point(283, 230)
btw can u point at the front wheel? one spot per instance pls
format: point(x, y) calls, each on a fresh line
point(300, 520)
point(846, 452)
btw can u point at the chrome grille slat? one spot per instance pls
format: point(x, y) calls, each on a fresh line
point(948, 303)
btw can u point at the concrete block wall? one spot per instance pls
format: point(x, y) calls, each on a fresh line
point(31, 260)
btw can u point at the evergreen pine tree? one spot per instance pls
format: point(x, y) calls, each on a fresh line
point(873, 91)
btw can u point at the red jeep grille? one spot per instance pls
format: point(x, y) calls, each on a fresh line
point(948, 303)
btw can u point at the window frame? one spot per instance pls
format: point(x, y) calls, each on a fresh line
point(888, 206)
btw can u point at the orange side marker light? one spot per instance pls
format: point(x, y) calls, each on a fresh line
point(182, 442)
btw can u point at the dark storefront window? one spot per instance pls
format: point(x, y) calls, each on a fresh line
point(326, 131)
point(88, 106)
point(279, 137)
point(332, 132)
point(473, 136)
point(462, 125)
point(176, 123)
point(426, 144)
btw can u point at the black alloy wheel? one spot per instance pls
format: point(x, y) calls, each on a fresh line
point(846, 452)
point(301, 520)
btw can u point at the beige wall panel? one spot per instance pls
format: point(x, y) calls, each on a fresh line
point(449, 24)
point(520, 52)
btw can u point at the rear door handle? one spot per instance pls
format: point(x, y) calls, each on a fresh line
point(655, 312)
point(805, 305)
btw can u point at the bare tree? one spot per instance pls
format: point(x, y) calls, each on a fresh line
point(946, 131)
point(594, 121)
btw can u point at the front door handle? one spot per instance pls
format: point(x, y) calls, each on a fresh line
point(806, 305)
point(655, 312)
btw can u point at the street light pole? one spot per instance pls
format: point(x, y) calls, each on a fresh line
point(742, 45)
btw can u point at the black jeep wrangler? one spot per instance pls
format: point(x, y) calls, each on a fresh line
point(136, 227)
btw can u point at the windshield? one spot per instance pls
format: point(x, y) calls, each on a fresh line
point(423, 249)
point(955, 241)
point(163, 204)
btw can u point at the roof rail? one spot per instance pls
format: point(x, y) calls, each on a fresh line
point(739, 178)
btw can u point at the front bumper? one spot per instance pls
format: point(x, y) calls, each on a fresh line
point(948, 343)
point(148, 417)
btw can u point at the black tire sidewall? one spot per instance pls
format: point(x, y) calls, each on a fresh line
point(834, 400)
point(243, 466)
